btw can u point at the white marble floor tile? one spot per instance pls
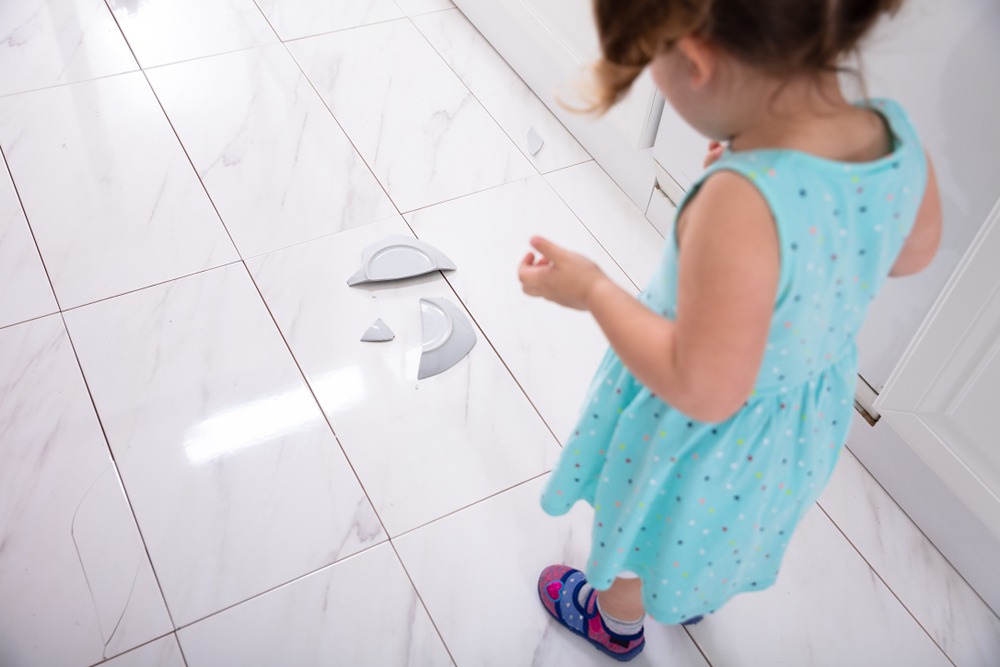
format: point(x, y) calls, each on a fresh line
point(74, 577)
point(168, 31)
point(273, 159)
point(107, 189)
point(417, 7)
point(495, 550)
point(612, 218)
point(424, 134)
point(467, 53)
point(164, 652)
point(300, 18)
point(237, 483)
point(937, 596)
point(361, 611)
point(50, 43)
point(508, 99)
point(552, 351)
point(25, 292)
point(828, 609)
point(421, 448)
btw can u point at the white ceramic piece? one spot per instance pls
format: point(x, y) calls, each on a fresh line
point(379, 332)
point(398, 257)
point(448, 336)
point(535, 142)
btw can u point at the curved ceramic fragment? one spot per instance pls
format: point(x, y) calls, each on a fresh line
point(379, 332)
point(448, 336)
point(535, 141)
point(399, 257)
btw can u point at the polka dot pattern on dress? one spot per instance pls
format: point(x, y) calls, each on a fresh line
point(702, 512)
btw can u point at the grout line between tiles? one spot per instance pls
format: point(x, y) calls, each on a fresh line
point(31, 230)
point(697, 645)
point(30, 319)
point(312, 393)
point(194, 168)
point(336, 120)
point(420, 598)
point(335, 31)
point(114, 463)
point(66, 84)
point(180, 647)
point(147, 287)
point(470, 505)
point(290, 582)
point(103, 661)
point(591, 232)
point(143, 68)
point(920, 530)
point(884, 582)
point(519, 145)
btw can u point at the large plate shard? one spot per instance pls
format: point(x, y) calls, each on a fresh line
point(448, 336)
point(398, 257)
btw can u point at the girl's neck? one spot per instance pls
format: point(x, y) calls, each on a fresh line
point(808, 114)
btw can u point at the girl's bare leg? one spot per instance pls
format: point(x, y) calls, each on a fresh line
point(623, 600)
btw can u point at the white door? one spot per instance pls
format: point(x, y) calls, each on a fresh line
point(944, 397)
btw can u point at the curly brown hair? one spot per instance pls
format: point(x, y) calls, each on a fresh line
point(782, 37)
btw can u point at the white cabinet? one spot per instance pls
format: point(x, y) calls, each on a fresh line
point(549, 43)
point(941, 60)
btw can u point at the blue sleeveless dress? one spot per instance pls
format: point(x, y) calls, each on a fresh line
point(704, 511)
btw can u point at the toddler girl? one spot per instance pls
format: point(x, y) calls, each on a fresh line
point(717, 416)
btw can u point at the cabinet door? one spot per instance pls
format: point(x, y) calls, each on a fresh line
point(550, 44)
point(940, 60)
point(679, 149)
point(945, 395)
point(571, 24)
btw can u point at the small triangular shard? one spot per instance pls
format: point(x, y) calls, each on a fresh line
point(379, 332)
point(535, 141)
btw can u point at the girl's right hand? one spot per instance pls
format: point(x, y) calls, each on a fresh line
point(715, 151)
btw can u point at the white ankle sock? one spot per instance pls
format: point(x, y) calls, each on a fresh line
point(615, 625)
point(618, 626)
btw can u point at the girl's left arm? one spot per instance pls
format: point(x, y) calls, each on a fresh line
point(706, 362)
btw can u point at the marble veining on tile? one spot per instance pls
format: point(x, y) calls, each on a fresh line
point(111, 197)
point(504, 95)
point(201, 463)
point(45, 44)
point(276, 164)
point(423, 133)
point(74, 577)
point(937, 596)
point(361, 611)
point(236, 481)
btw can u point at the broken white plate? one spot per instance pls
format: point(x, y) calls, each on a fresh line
point(535, 141)
point(379, 332)
point(448, 336)
point(399, 257)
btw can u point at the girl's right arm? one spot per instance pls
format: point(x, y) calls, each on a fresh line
point(925, 237)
